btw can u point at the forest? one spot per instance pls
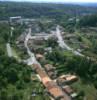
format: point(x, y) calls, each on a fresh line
point(36, 10)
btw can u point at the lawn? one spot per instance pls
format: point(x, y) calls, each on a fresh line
point(84, 39)
point(88, 89)
point(68, 53)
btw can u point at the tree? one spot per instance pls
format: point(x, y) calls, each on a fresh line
point(52, 42)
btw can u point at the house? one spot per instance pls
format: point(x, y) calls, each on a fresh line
point(69, 78)
point(54, 90)
point(48, 49)
point(53, 75)
point(49, 67)
point(39, 56)
point(69, 91)
point(50, 71)
point(66, 79)
point(61, 81)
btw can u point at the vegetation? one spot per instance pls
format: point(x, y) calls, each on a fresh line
point(14, 79)
point(4, 32)
point(35, 10)
point(51, 42)
point(83, 67)
point(16, 82)
point(88, 20)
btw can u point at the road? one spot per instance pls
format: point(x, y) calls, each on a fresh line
point(51, 86)
point(62, 44)
point(8, 46)
point(9, 50)
point(32, 58)
point(47, 82)
point(11, 33)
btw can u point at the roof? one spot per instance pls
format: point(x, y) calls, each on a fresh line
point(69, 77)
point(49, 67)
point(68, 89)
point(51, 73)
point(15, 17)
point(61, 81)
point(38, 56)
point(51, 86)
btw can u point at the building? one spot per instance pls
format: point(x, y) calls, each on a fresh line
point(69, 77)
point(69, 91)
point(39, 57)
point(15, 20)
point(66, 79)
point(49, 67)
point(52, 75)
point(48, 49)
point(61, 81)
point(53, 89)
point(50, 71)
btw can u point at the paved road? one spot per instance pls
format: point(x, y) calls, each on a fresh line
point(8, 46)
point(43, 75)
point(11, 33)
point(9, 50)
point(62, 44)
point(32, 59)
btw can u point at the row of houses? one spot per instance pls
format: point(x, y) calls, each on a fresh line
point(63, 81)
point(51, 71)
point(54, 90)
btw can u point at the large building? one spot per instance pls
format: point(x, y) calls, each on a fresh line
point(15, 20)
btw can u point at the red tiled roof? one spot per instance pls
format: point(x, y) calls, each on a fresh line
point(51, 86)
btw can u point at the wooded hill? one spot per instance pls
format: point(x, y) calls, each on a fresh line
point(37, 10)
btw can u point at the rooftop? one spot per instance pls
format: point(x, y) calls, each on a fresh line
point(51, 86)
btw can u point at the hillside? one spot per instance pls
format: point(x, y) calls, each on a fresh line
point(8, 9)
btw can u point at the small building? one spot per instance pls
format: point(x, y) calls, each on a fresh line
point(66, 79)
point(61, 81)
point(48, 49)
point(70, 78)
point(52, 75)
point(69, 91)
point(39, 56)
point(49, 67)
point(51, 71)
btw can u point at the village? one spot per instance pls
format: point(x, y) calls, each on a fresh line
point(35, 43)
point(58, 87)
point(48, 50)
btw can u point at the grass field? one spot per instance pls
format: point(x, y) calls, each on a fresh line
point(88, 89)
